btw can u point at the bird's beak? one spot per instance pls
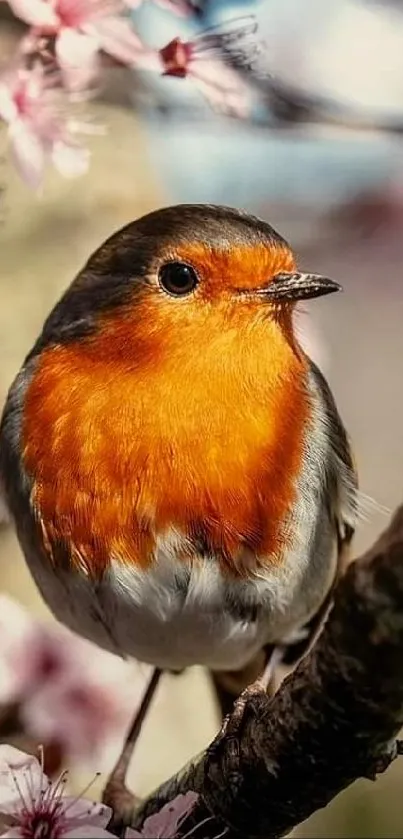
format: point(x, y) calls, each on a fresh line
point(293, 287)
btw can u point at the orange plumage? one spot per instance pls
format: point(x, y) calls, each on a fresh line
point(170, 417)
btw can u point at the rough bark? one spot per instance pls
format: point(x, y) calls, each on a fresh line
point(335, 719)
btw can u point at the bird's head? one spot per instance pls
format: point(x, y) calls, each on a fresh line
point(189, 285)
point(167, 381)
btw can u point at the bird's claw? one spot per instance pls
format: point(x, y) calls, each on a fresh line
point(122, 802)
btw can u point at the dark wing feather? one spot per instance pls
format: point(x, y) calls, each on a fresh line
point(341, 490)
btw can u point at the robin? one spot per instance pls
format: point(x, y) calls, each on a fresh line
point(179, 476)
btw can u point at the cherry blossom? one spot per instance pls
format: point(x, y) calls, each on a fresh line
point(59, 59)
point(94, 713)
point(30, 655)
point(54, 675)
point(32, 806)
point(39, 130)
point(117, 38)
point(204, 61)
point(166, 823)
point(81, 29)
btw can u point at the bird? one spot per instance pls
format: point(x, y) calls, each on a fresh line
point(180, 479)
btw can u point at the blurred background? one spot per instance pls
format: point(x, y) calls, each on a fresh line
point(321, 158)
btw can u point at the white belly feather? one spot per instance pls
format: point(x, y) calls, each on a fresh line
point(175, 614)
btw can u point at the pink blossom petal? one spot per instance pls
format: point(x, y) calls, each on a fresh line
point(35, 12)
point(165, 823)
point(39, 127)
point(26, 795)
point(88, 831)
point(13, 758)
point(222, 87)
point(79, 808)
point(117, 38)
point(31, 655)
point(77, 13)
point(92, 714)
point(28, 153)
point(77, 54)
point(21, 779)
point(86, 818)
point(70, 160)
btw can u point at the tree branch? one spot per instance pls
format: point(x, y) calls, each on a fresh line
point(335, 719)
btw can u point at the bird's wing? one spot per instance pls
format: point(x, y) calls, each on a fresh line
point(342, 496)
point(341, 480)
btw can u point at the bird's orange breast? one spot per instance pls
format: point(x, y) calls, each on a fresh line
point(119, 455)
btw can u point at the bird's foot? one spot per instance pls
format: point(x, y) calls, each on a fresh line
point(262, 687)
point(116, 793)
point(225, 749)
point(259, 688)
point(122, 802)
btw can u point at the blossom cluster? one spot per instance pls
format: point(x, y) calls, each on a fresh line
point(61, 58)
point(32, 806)
point(64, 689)
point(71, 694)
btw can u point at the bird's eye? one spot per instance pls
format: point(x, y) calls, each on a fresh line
point(177, 278)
